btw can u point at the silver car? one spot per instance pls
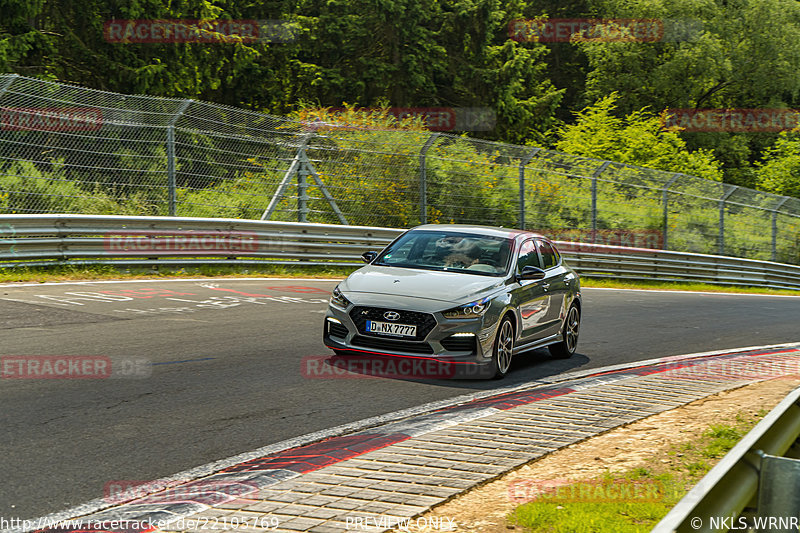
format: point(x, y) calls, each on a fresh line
point(468, 296)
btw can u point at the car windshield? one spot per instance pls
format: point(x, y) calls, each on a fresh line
point(449, 251)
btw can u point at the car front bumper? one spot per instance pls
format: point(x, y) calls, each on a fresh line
point(448, 348)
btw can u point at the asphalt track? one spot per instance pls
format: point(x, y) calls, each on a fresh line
point(226, 372)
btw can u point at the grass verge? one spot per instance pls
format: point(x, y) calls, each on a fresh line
point(636, 500)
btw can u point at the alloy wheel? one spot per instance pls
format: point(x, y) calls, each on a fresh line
point(572, 329)
point(505, 346)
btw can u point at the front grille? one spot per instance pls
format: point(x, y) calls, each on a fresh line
point(425, 322)
point(462, 343)
point(392, 345)
point(337, 330)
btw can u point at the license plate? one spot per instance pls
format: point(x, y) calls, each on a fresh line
point(390, 328)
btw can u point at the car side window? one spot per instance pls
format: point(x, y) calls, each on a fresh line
point(528, 256)
point(549, 256)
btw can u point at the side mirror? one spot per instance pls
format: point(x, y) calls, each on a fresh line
point(369, 257)
point(531, 272)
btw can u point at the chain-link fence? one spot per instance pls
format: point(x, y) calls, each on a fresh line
point(66, 149)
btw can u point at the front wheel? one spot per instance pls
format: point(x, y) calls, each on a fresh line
point(503, 348)
point(572, 326)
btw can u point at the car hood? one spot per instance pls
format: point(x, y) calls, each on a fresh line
point(447, 287)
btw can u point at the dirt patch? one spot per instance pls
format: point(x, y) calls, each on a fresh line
point(484, 509)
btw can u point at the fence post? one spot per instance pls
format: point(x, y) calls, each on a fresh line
point(725, 196)
point(523, 161)
point(595, 175)
point(775, 227)
point(665, 205)
point(302, 192)
point(296, 163)
point(423, 179)
point(171, 181)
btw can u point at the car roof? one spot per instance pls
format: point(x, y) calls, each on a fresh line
point(493, 231)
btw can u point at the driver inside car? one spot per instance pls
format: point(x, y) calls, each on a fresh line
point(457, 252)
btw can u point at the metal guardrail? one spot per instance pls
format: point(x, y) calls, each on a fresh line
point(740, 480)
point(40, 240)
point(619, 262)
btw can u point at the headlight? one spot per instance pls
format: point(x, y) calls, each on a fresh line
point(470, 310)
point(338, 299)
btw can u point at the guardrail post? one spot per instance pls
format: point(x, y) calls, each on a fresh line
point(775, 227)
point(722, 218)
point(776, 487)
point(665, 205)
point(423, 179)
point(171, 181)
point(595, 175)
point(523, 161)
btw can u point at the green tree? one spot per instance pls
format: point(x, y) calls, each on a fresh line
point(23, 49)
point(636, 139)
point(410, 53)
point(366, 51)
point(741, 54)
point(567, 65)
point(65, 40)
point(486, 68)
point(420, 53)
point(779, 170)
point(735, 54)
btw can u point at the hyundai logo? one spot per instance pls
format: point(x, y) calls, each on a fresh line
point(391, 315)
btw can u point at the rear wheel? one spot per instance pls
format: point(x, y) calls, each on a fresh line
point(572, 326)
point(503, 348)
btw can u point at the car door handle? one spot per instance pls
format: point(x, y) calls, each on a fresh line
point(545, 285)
